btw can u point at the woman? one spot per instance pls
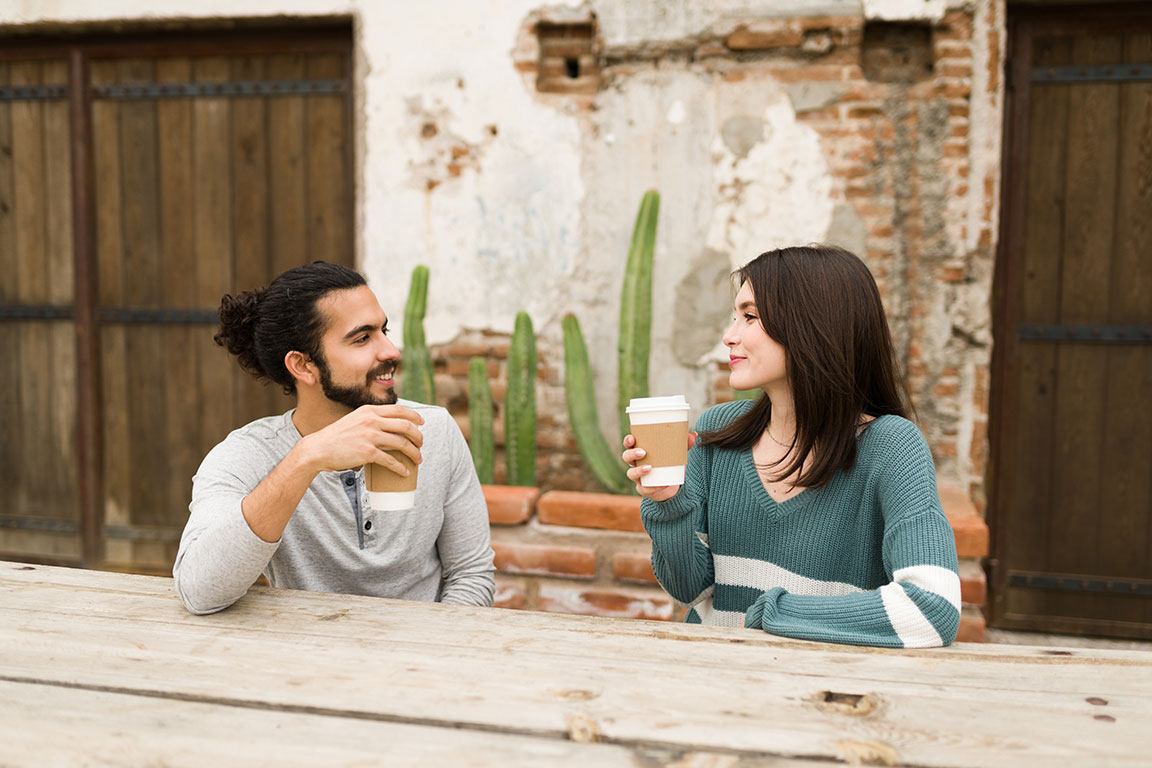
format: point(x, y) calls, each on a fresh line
point(813, 511)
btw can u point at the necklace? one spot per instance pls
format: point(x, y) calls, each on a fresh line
point(771, 437)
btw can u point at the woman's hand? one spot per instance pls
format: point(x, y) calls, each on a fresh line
point(632, 457)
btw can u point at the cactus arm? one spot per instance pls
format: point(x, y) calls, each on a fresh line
point(481, 442)
point(417, 371)
point(635, 341)
point(520, 405)
point(578, 389)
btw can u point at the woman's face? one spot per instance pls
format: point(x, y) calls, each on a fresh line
point(756, 360)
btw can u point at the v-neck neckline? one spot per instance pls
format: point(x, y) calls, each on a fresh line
point(767, 503)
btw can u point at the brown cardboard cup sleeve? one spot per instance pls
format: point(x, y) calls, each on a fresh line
point(660, 426)
point(388, 491)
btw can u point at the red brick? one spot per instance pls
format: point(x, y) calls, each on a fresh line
point(970, 530)
point(952, 273)
point(972, 626)
point(632, 566)
point(510, 504)
point(945, 389)
point(575, 562)
point(606, 602)
point(765, 34)
point(973, 583)
point(590, 510)
point(978, 449)
point(509, 595)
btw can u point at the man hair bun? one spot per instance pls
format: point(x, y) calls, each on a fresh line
point(237, 334)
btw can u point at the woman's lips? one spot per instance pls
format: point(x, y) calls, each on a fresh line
point(733, 360)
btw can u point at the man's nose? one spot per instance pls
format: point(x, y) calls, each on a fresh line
point(387, 350)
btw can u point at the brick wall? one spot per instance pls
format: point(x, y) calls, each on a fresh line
point(892, 105)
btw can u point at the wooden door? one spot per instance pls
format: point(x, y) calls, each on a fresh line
point(215, 165)
point(1072, 489)
point(38, 462)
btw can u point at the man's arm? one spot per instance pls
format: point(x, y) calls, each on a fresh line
point(360, 438)
point(235, 528)
point(464, 543)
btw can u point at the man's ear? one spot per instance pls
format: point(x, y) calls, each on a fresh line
point(301, 368)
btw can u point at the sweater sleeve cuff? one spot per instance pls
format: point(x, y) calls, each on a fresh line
point(763, 610)
point(666, 511)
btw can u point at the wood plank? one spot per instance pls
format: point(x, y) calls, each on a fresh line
point(143, 287)
point(1126, 459)
point(214, 244)
point(36, 460)
point(252, 262)
point(1090, 185)
point(107, 186)
point(329, 230)
point(286, 170)
point(62, 493)
point(1026, 524)
point(639, 682)
point(183, 404)
point(123, 729)
point(10, 333)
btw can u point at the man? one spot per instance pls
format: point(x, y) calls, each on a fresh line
point(285, 496)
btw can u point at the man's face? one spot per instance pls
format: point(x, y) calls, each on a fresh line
point(356, 360)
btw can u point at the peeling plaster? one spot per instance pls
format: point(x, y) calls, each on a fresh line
point(778, 192)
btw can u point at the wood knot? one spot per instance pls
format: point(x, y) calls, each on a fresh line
point(856, 704)
point(582, 729)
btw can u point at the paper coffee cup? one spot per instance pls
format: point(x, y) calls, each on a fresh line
point(388, 491)
point(660, 426)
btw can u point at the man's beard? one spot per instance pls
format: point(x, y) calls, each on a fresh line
point(354, 397)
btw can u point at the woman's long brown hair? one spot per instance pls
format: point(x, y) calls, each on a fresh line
point(821, 304)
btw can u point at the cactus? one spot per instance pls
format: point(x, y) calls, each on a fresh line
point(418, 383)
point(480, 418)
point(520, 405)
point(582, 413)
point(635, 341)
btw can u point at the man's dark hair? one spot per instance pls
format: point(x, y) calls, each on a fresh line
point(260, 327)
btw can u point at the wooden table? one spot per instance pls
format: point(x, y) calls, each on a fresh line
point(102, 668)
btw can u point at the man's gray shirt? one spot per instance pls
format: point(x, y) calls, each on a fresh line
point(334, 542)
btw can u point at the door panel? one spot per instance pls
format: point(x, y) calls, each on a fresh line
point(1072, 493)
point(215, 165)
point(38, 374)
point(194, 218)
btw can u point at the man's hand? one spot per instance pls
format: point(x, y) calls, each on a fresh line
point(632, 456)
point(363, 436)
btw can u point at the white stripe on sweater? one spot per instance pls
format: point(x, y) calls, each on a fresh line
point(932, 578)
point(757, 574)
point(709, 615)
point(911, 626)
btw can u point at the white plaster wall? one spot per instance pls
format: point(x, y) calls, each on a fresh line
point(538, 213)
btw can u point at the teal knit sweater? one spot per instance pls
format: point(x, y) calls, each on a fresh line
point(869, 559)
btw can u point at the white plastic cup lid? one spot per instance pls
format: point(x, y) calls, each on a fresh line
point(669, 403)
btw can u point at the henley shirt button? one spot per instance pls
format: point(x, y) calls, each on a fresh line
point(349, 481)
point(367, 525)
